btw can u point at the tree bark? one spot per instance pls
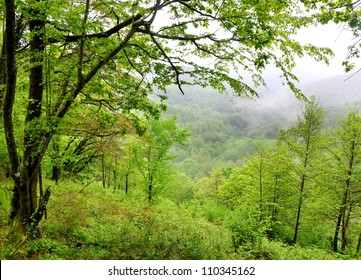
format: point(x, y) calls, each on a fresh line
point(9, 98)
point(150, 189)
point(358, 244)
point(103, 171)
point(345, 225)
point(33, 228)
point(338, 224)
point(36, 87)
point(2, 74)
point(126, 183)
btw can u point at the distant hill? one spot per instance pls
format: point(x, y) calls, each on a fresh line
point(342, 90)
point(229, 129)
point(279, 105)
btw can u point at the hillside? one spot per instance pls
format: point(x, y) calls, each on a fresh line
point(226, 129)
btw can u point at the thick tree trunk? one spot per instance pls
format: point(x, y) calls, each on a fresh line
point(8, 105)
point(32, 157)
point(2, 74)
point(24, 200)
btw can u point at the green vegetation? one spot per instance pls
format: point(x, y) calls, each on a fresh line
point(92, 168)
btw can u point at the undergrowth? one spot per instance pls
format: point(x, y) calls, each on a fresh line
point(99, 223)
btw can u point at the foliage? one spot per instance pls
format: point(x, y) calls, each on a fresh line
point(75, 98)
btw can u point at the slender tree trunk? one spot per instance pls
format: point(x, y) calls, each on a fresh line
point(41, 189)
point(273, 210)
point(55, 174)
point(346, 205)
point(150, 189)
point(115, 173)
point(103, 171)
point(358, 244)
point(302, 187)
point(126, 183)
point(109, 177)
point(339, 220)
point(345, 226)
point(337, 230)
point(261, 189)
point(294, 240)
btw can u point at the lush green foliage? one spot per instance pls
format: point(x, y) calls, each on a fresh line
point(75, 97)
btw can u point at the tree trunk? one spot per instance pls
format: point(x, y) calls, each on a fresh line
point(358, 244)
point(338, 223)
point(2, 74)
point(273, 211)
point(34, 110)
point(115, 173)
point(302, 187)
point(346, 214)
point(300, 202)
point(345, 224)
point(8, 105)
point(337, 230)
point(103, 171)
point(126, 183)
point(24, 200)
point(261, 189)
point(150, 189)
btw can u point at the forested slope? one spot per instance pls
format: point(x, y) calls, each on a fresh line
point(226, 130)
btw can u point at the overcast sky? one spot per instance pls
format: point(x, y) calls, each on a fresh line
point(332, 36)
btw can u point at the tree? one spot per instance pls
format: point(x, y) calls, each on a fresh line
point(151, 153)
point(305, 141)
point(124, 44)
point(348, 156)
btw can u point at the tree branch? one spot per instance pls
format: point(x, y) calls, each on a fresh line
point(106, 34)
point(177, 73)
point(82, 42)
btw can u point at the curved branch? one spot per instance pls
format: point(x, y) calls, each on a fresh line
point(106, 34)
point(177, 73)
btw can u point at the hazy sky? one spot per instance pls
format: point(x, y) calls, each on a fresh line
point(333, 36)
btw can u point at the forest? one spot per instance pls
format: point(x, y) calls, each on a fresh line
point(125, 136)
